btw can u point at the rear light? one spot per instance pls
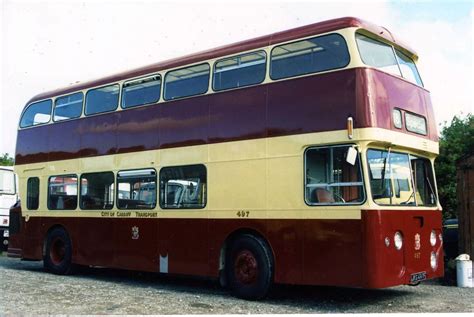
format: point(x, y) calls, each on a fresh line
point(398, 240)
point(433, 238)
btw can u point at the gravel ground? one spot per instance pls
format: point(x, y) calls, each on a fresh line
point(27, 289)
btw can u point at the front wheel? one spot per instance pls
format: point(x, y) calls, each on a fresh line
point(249, 267)
point(58, 252)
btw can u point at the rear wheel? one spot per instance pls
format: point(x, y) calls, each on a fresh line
point(58, 252)
point(249, 267)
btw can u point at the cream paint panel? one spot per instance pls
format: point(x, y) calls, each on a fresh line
point(237, 185)
point(177, 156)
point(295, 144)
point(98, 164)
point(136, 160)
point(243, 150)
point(285, 176)
point(262, 176)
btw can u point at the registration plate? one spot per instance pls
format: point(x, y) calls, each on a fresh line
point(417, 277)
point(6, 233)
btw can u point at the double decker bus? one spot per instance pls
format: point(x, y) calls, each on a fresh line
point(301, 157)
point(8, 197)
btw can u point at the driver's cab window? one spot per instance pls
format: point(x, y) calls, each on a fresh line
point(333, 176)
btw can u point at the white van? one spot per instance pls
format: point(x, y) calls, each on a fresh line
point(8, 197)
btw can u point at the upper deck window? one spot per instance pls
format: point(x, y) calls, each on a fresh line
point(187, 81)
point(141, 91)
point(102, 99)
point(239, 71)
point(36, 113)
point(68, 107)
point(377, 54)
point(309, 56)
point(408, 68)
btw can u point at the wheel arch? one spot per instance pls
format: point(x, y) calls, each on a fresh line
point(50, 229)
point(227, 242)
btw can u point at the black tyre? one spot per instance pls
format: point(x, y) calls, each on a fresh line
point(249, 267)
point(58, 252)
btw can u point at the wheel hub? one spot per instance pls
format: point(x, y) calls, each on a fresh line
point(57, 251)
point(246, 267)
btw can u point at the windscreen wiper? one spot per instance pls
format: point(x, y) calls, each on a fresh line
point(383, 174)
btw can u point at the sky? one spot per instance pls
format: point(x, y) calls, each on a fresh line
point(50, 44)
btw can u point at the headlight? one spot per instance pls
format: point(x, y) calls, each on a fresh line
point(398, 240)
point(387, 241)
point(433, 238)
point(433, 261)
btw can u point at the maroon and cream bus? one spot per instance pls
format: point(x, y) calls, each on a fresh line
point(301, 157)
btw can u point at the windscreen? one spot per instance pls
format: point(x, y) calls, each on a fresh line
point(7, 182)
point(400, 179)
point(384, 57)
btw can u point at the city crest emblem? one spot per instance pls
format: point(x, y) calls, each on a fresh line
point(417, 242)
point(135, 233)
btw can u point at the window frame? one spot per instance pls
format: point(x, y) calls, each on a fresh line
point(77, 188)
point(63, 96)
point(412, 184)
point(184, 67)
point(309, 73)
point(361, 171)
point(397, 51)
point(156, 188)
point(80, 191)
point(99, 87)
point(29, 106)
point(238, 55)
point(182, 208)
point(27, 192)
point(141, 78)
point(405, 113)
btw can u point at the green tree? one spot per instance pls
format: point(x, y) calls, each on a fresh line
point(6, 160)
point(456, 141)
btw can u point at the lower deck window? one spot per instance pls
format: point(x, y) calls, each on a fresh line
point(97, 190)
point(183, 187)
point(32, 193)
point(333, 176)
point(62, 192)
point(136, 189)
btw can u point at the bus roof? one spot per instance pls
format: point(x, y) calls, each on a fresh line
point(307, 30)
